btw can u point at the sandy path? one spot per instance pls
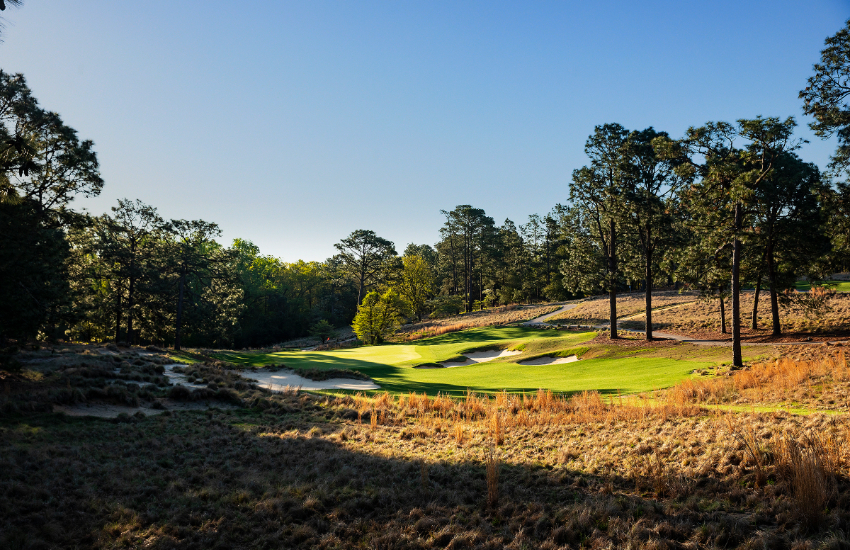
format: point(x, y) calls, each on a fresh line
point(475, 357)
point(543, 318)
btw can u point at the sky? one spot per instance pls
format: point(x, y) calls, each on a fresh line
point(292, 124)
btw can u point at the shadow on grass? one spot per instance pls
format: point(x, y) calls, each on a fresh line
point(254, 480)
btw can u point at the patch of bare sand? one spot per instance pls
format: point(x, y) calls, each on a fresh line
point(179, 379)
point(104, 410)
point(475, 357)
point(279, 381)
point(550, 360)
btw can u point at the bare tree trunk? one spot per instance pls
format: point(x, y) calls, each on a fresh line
point(131, 297)
point(648, 295)
point(755, 317)
point(118, 318)
point(179, 320)
point(774, 300)
point(612, 272)
point(722, 312)
point(361, 284)
point(130, 310)
point(736, 289)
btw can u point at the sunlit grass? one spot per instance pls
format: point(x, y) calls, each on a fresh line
point(839, 286)
point(391, 366)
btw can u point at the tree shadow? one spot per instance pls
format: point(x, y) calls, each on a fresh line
point(248, 479)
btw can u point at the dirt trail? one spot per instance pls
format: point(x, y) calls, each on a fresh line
point(543, 318)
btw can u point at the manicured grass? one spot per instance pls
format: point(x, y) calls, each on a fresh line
point(390, 366)
point(840, 286)
point(184, 357)
point(607, 376)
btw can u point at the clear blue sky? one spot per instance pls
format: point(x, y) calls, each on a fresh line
point(293, 123)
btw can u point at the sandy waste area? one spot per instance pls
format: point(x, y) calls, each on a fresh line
point(103, 410)
point(280, 380)
point(475, 357)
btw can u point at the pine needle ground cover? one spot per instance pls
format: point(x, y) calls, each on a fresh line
point(701, 318)
point(596, 311)
point(391, 366)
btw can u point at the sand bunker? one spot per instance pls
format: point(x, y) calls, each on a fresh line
point(475, 357)
point(550, 360)
point(278, 381)
point(103, 410)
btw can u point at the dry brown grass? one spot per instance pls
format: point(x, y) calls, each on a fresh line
point(492, 462)
point(493, 317)
point(810, 463)
point(596, 310)
point(580, 471)
point(702, 318)
point(819, 382)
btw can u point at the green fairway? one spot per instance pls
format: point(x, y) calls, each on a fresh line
point(840, 286)
point(391, 365)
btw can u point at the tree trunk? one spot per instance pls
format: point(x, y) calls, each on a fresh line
point(118, 318)
point(360, 286)
point(736, 289)
point(648, 295)
point(755, 317)
point(722, 312)
point(612, 272)
point(130, 309)
point(131, 292)
point(179, 320)
point(774, 300)
point(454, 265)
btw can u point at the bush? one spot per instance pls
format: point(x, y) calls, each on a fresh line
point(180, 393)
point(323, 330)
point(379, 316)
point(8, 362)
point(445, 306)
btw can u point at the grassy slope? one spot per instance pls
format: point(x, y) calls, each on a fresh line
point(391, 365)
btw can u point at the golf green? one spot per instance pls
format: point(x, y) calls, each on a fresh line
point(391, 365)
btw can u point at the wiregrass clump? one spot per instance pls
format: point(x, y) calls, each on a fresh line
point(821, 381)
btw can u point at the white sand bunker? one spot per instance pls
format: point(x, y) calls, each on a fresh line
point(475, 357)
point(550, 360)
point(278, 381)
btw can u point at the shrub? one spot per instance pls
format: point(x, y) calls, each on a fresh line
point(180, 393)
point(445, 306)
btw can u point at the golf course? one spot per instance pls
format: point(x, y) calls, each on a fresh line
point(602, 368)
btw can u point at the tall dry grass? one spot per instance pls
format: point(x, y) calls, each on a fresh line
point(764, 381)
point(494, 415)
point(492, 462)
point(810, 463)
